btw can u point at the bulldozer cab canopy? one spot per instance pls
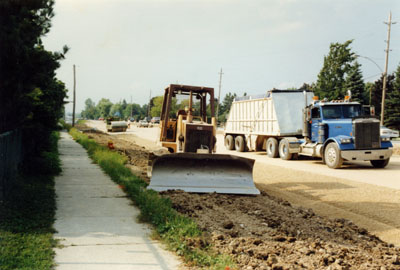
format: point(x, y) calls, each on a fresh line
point(200, 92)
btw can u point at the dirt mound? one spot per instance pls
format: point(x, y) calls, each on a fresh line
point(264, 232)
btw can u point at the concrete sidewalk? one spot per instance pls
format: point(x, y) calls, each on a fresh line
point(96, 223)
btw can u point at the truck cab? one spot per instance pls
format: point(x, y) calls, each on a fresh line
point(340, 130)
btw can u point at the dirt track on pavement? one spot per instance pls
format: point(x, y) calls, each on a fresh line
point(278, 228)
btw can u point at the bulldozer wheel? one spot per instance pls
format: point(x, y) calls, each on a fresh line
point(229, 142)
point(239, 144)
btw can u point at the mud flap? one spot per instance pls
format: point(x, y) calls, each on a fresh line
point(203, 173)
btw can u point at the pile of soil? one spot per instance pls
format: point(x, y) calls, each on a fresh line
point(265, 232)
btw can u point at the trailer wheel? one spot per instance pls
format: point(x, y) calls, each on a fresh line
point(229, 142)
point(381, 163)
point(332, 156)
point(284, 150)
point(272, 148)
point(239, 144)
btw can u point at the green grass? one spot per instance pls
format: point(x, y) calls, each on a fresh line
point(27, 216)
point(174, 229)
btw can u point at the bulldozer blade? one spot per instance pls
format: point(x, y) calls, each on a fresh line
point(203, 173)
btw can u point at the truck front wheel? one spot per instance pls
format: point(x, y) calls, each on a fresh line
point(272, 148)
point(239, 144)
point(229, 142)
point(382, 163)
point(332, 156)
point(284, 150)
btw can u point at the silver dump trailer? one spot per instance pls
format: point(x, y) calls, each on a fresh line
point(288, 123)
point(254, 119)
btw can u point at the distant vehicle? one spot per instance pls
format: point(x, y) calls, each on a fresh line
point(101, 118)
point(115, 125)
point(391, 133)
point(143, 123)
point(155, 120)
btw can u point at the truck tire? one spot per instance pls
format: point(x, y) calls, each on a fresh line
point(272, 148)
point(239, 144)
point(229, 142)
point(284, 150)
point(332, 156)
point(381, 163)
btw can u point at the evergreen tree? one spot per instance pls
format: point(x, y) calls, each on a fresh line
point(392, 103)
point(368, 92)
point(355, 83)
point(31, 97)
point(331, 79)
point(376, 93)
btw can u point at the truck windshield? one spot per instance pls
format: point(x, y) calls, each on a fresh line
point(351, 111)
point(341, 111)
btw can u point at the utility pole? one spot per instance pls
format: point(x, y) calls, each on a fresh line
point(219, 93)
point(131, 106)
point(386, 68)
point(74, 99)
point(148, 107)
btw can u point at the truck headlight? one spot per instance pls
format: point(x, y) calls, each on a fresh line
point(345, 140)
point(385, 139)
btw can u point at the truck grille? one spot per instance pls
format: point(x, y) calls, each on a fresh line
point(366, 133)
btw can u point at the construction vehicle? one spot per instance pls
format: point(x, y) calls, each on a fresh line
point(288, 123)
point(115, 125)
point(190, 137)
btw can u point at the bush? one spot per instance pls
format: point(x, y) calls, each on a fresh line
point(27, 215)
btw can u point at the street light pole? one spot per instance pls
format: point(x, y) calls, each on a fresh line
point(370, 90)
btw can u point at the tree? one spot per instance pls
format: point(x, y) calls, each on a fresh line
point(104, 107)
point(355, 83)
point(331, 79)
point(90, 111)
point(376, 93)
point(392, 103)
point(226, 106)
point(116, 110)
point(157, 105)
point(368, 92)
point(31, 97)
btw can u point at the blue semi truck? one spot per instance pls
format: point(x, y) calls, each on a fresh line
point(288, 123)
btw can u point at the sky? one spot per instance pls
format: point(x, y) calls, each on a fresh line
point(133, 49)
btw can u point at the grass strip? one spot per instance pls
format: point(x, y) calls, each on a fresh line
point(175, 230)
point(27, 215)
